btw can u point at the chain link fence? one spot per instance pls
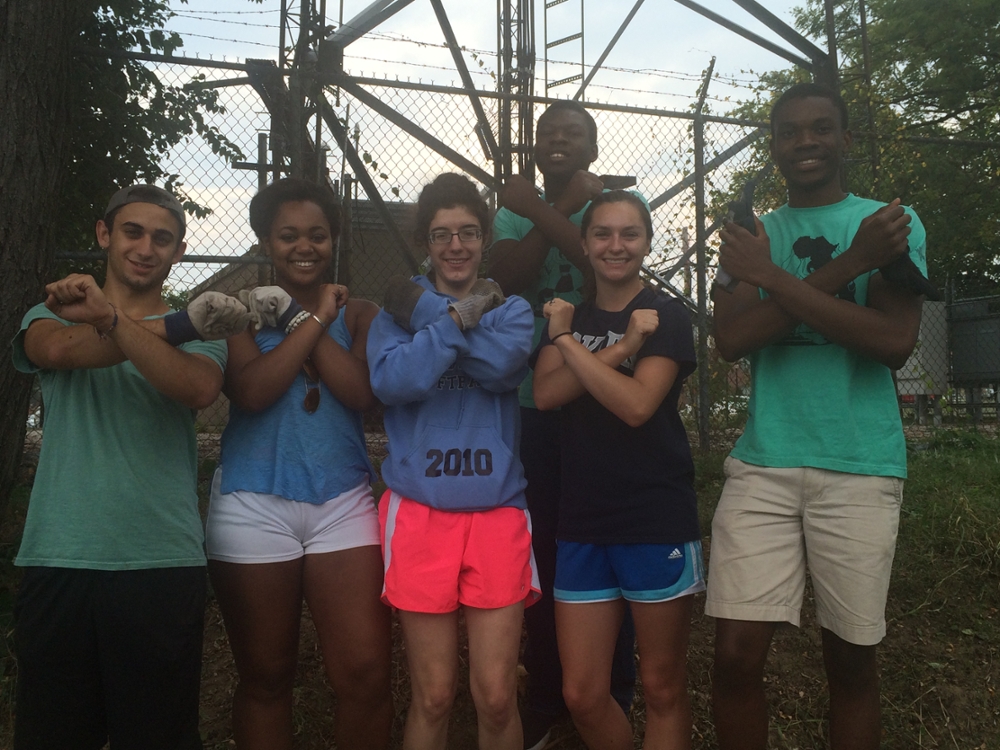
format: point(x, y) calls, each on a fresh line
point(952, 375)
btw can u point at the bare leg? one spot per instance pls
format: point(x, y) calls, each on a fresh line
point(432, 655)
point(739, 706)
point(494, 641)
point(855, 715)
point(587, 635)
point(262, 608)
point(662, 631)
point(342, 590)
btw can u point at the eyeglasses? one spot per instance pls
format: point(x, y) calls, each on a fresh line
point(465, 234)
point(311, 375)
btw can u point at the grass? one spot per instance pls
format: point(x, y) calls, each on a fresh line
point(940, 661)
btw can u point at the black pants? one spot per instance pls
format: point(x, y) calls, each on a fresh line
point(540, 457)
point(109, 656)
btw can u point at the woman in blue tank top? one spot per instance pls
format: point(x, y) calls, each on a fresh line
point(292, 516)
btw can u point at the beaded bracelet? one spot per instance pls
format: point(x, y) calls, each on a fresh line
point(114, 324)
point(300, 317)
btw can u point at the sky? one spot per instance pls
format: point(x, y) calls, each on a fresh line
point(658, 61)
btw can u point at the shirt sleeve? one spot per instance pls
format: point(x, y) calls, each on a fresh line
point(499, 346)
point(918, 241)
point(20, 357)
point(673, 337)
point(506, 226)
point(406, 367)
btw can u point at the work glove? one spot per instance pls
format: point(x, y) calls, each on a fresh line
point(400, 300)
point(209, 317)
point(485, 295)
point(273, 306)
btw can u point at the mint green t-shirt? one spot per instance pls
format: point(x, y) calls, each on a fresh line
point(116, 482)
point(557, 278)
point(812, 402)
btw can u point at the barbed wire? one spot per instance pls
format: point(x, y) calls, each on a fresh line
point(732, 81)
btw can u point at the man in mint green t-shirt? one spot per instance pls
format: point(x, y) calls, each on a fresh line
point(109, 617)
point(816, 479)
point(537, 254)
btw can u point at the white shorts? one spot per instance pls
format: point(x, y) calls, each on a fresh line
point(253, 527)
point(771, 523)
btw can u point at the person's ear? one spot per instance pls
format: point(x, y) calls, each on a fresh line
point(103, 234)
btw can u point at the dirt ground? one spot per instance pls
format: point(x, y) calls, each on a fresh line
point(939, 661)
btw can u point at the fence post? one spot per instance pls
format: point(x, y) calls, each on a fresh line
point(701, 266)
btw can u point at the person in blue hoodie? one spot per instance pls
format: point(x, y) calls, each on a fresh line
point(447, 353)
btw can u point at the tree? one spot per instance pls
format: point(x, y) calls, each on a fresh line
point(923, 125)
point(78, 121)
point(934, 86)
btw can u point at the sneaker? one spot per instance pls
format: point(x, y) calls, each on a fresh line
point(537, 728)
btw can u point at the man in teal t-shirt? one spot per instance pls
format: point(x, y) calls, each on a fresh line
point(817, 474)
point(537, 254)
point(109, 616)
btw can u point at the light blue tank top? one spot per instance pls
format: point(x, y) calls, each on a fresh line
point(284, 450)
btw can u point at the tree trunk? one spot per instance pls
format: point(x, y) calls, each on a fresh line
point(36, 55)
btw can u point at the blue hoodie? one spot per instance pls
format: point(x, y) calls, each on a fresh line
point(452, 415)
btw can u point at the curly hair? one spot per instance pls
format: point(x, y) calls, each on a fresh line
point(448, 190)
point(265, 205)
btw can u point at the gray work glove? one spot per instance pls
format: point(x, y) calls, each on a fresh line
point(485, 295)
point(270, 306)
point(401, 296)
point(209, 317)
point(218, 316)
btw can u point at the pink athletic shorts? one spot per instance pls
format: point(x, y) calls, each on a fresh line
point(436, 560)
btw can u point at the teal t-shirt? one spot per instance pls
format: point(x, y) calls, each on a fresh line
point(812, 402)
point(116, 485)
point(557, 278)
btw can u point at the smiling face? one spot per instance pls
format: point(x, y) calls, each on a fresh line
point(563, 144)
point(616, 243)
point(300, 244)
point(142, 244)
point(808, 146)
point(455, 262)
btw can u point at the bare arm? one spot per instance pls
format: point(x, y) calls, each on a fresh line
point(254, 381)
point(191, 379)
point(345, 372)
point(514, 264)
point(566, 369)
point(745, 323)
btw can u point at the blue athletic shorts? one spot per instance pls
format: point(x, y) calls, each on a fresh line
point(587, 573)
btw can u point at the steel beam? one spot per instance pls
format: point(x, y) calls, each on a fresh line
point(489, 143)
point(755, 38)
point(368, 19)
point(410, 127)
point(362, 175)
point(607, 50)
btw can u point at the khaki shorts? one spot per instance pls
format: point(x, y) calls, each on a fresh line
point(771, 524)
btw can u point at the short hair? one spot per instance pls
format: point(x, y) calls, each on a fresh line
point(617, 196)
point(265, 205)
point(448, 190)
point(573, 106)
point(808, 89)
point(151, 194)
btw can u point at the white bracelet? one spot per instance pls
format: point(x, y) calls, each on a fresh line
point(300, 317)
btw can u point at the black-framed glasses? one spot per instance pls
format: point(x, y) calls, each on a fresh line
point(465, 234)
point(311, 376)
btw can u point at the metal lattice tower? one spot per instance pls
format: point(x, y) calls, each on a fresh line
point(562, 27)
point(516, 75)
